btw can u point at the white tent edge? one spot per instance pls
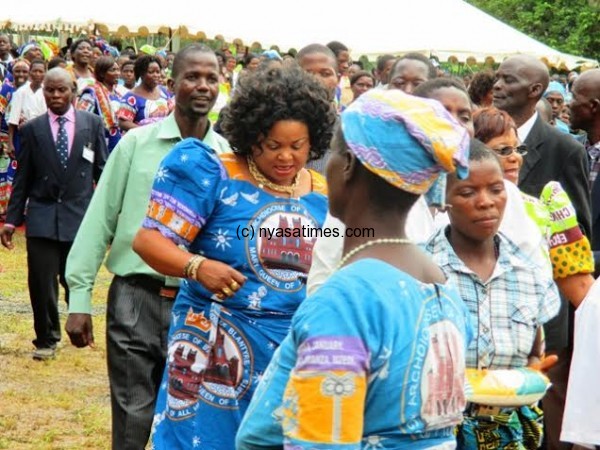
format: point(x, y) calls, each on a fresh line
point(249, 27)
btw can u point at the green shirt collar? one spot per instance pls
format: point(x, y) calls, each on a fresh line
point(169, 130)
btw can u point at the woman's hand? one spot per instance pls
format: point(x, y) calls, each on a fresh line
point(127, 125)
point(164, 256)
point(537, 358)
point(219, 278)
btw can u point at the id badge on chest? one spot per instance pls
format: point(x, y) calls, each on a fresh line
point(88, 153)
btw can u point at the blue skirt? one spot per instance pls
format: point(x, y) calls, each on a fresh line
point(216, 358)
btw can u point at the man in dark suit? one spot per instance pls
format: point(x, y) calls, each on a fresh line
point(552, 156)
point(585, 115)
point(62, 154)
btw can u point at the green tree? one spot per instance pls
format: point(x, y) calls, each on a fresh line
point(571, 26)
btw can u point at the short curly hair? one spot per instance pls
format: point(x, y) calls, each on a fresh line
point(278, 93)
point(481, 84)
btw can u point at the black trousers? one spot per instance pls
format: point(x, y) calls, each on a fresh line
point(137, 327)
point(46, 259)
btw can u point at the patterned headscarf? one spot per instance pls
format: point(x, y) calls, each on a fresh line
point(31, 45)
point(107, 49)
point(406, 140)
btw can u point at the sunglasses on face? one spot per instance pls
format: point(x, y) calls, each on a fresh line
point(507, 151)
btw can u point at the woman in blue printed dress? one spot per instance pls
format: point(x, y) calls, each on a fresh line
point(8, 163)
point(147, 102)
point(375, 357)
point(104, 98)
point(247, 223)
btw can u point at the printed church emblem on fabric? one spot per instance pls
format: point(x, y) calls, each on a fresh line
point(279, 248)
point(212, 366)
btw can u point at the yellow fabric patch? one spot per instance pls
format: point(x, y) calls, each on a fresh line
point(325, 407)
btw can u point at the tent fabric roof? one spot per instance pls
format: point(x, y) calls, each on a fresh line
point(443, 28)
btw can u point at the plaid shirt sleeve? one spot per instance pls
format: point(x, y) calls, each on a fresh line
point(506, 309)
point(549, 304)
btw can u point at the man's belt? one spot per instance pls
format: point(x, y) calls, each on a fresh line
point(153, 284)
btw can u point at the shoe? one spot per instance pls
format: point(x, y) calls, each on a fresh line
point(43, 354)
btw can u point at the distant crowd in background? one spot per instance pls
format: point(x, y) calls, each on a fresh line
point(159, 158)
point(129, 88)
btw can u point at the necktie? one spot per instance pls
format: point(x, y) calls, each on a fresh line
point(594, 155)
point(62, 142)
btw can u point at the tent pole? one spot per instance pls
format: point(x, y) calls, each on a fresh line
point(175, 43)
point(172, 37)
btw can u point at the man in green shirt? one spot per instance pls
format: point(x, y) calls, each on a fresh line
point(139, 299)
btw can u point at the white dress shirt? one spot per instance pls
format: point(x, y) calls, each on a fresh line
point(26, 103)
point(523, 130)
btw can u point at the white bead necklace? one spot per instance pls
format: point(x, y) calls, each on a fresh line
point(367, 244)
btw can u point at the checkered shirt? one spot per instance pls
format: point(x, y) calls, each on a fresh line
point(507, 309)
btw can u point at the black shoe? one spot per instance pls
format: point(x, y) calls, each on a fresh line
point(44, 354)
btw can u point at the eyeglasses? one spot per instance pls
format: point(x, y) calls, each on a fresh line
point(507, 151)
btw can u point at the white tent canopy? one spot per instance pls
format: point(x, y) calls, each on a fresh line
point(443, 28)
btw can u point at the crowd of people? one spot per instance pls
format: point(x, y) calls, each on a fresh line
point(478, 204)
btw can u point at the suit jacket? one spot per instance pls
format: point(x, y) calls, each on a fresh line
point(58, 198)
point(556, 156)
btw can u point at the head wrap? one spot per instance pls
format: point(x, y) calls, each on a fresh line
point(406, 140)
point(148, 49)
point(272, 55)
point(27, 47)
point(555, 86)
point(107, 49)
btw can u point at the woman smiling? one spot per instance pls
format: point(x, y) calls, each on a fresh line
point(81, 70)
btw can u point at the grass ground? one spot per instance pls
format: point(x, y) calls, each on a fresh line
point(58, 404)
